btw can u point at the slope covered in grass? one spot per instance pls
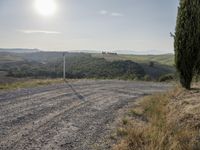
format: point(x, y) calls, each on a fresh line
point(80, 65)
point(168, 121)
point(165, 59)
point(162, 64)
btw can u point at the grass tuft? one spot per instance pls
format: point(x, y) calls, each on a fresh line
point(122, 132)
point(125, 121)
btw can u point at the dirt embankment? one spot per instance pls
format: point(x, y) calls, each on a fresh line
point(168, 121)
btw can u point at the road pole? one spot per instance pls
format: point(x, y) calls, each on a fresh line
point(64, 66)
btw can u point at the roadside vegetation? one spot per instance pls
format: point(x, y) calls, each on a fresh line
point(29, 83)
point(166, 121)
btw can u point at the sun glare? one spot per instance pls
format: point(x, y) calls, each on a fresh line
point(45, 7)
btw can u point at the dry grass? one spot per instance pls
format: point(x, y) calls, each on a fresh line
point(29, 83)
point(172, 122)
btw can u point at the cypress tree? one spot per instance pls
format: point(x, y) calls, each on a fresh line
point(187, 41)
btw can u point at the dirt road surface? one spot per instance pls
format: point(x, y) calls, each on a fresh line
point(68, 116)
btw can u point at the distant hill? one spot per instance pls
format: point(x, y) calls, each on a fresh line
point(165, 59)
point(84, 65)
point(6, 57)
point(140, 52)
point(19, 50)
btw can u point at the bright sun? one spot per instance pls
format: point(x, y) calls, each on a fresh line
point(45, 7)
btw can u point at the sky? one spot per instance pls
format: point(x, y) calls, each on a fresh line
point(138, 25)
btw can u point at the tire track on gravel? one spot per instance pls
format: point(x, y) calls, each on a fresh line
point(70, 116)
point(42, 111)
point(37, 100)
point(39, 94)
point(46, 132)
point(58, 101)
point(13, 95)
point(53, 119)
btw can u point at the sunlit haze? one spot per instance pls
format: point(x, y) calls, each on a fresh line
point(45, 7)
point(125, 25)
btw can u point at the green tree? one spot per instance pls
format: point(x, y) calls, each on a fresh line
point(187, 40)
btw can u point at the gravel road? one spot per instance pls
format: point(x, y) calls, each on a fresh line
point(67, 116)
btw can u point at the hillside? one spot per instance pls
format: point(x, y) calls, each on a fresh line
point(79, 65)
point(18, 50)
point(163, 64)
point(165, 59)
point(9, 57)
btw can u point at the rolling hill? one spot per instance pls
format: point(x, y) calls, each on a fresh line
point(165, 59)
point(84, 65)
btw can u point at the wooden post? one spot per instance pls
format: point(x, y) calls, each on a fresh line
point(64, 66)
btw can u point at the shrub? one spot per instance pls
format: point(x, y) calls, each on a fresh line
point(147, 78)
point(167, 77)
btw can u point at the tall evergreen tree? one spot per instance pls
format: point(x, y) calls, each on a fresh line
point(187, 40)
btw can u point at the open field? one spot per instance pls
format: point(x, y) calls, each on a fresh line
point(164, 59)
point(66, 116)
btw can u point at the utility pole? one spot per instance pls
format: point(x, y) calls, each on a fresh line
point(64, 66)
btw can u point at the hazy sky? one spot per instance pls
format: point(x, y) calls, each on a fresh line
point(137, 25)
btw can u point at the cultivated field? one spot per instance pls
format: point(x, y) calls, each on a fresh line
point(69, 116)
